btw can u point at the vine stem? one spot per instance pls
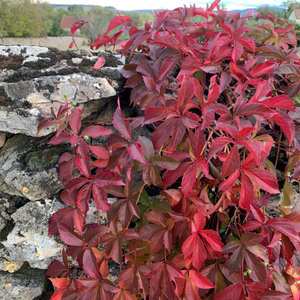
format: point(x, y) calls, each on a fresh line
point(277, 155)
point(136, 202)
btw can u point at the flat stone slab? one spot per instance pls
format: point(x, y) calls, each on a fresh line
point(24, 104)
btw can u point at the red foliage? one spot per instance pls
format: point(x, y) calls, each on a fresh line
point(221, 97)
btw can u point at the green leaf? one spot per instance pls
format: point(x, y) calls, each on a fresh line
point(288, 193)
point(165, 162)
point(144, 199)
point(296, 100)
point(291, 164)
point(161, 206)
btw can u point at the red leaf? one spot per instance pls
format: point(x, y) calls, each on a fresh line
point(122, 125)
point(68, 236)
point(100, 198)
point(117, 21)
point(231, 163)
point(188, 180)
point(274, 295)
point(61, 283)
point(264, 179)
point(56, 268)
point(100, 63)
point(101, 40)
point(286, 124)
point(247, 192)
point(193, 248)
point(167, 66)
point(76, 183)
point(234, 291)
point(71, 44)
point(284, 226)
point(135, 151)
point(105, 178)
point(84, 196)
point(212, 239)
point(200, 281)
point(76, 26)
point(282, 101)
point(59, 139)
point(95, 131)
point(162, 133)
point(90, 266)
point(230, 181)
point(154, 114)
point(217, 145)
point(75, 121)
point(79, 220)
point(237, 51)
point(225, 81)
point(83, 162)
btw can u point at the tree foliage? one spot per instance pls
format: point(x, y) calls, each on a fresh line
point(20, 18)
point(223, 98)
point(288, 7)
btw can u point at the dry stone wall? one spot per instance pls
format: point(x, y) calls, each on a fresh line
point(32, 80)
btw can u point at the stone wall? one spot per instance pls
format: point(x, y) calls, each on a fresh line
point(61, 42)
point(32, 80)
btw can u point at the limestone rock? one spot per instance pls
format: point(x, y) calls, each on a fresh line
point(25, 284)
point(24, 104)
point(28, 167)
point(29, 240)
point(34, 79)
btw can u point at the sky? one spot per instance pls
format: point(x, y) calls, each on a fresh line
point(166, 4)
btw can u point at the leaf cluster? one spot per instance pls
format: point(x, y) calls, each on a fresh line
point(223, 99)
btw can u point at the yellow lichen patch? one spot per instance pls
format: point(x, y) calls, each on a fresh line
point(11, 267)
point(6, 284)
point(37, 255)
point(6, 262)
point(24, 189)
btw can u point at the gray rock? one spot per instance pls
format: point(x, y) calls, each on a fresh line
point(24, 104)
point(28, 167)
point(34, 79)
point(29, 53)
point(92, 214)
point(29, 240)
point(5, 188)
point(25, 284)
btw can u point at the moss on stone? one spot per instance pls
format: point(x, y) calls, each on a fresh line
point(41, 159)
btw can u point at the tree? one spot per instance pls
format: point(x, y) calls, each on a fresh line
point(263, 9)
point(100, 18)
point(20, 18)
point(55, 29)
point(288, 7)
point(77, 11)
point(48, 17)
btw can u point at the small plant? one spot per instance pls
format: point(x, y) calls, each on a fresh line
point(223, 100)
point(73, 29)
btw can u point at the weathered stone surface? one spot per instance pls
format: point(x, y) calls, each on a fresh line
point(25, 284)
point(29, 53)
point(92, 214)
point(34, 79)
point(28, 167)
point(29, 240)
point(25, 103)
